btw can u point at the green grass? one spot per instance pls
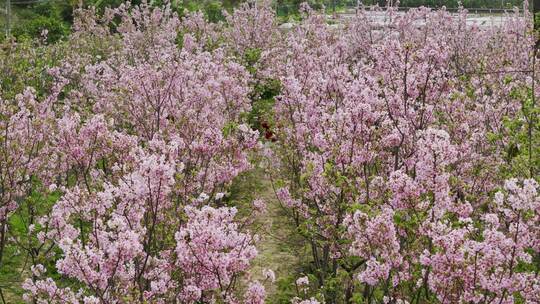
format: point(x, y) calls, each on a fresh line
point(279, 248)
point(11, 275)
point(14, 268)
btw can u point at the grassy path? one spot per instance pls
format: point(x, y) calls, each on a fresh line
point(279, 248)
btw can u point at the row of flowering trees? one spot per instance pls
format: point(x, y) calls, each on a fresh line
point(406, 155)
point(394, 153)
point(140, 140)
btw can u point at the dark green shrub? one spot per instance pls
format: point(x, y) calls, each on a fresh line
point(213, 11)
point(55, 27)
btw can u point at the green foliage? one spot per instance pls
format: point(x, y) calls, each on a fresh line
point(109, 3)
point(262, 104)
point(13, 270)
point(25, 65)
point(264, 92)
point(251, 58)
point(213, 11)
point(285, 290)
point(56, 29)
point(56, 17)
point(229, 128)
point(29, 21)
point(523, 149)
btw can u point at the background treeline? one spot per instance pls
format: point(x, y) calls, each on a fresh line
point(30, 17)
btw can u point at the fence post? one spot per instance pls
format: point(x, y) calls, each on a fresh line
point(8, 18)
point(536, 10)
